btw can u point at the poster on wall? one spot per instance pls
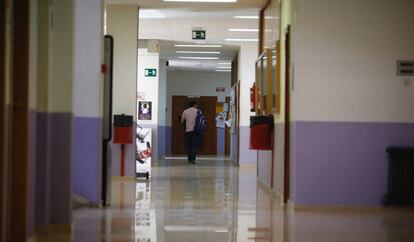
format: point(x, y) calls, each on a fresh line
point(144, 110)
point(221, 120)
point(143, 152)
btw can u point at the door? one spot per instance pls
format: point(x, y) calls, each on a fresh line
point(208, 145)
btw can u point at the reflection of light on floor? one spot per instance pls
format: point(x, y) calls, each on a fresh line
point(188, 228)
point(145, 222)
point(198, 158)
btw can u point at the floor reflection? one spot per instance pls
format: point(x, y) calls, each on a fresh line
point(214, 201)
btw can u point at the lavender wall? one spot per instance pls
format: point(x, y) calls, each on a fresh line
point(86, 158)
point(168, 135)
point(344, 163)
point(233, 147)
point(221, 141)
point(42, 171)
point(247, 156)
point(32, 171)
point(59, 158)
point(161, 140)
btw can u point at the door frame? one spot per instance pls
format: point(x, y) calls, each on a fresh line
point(19, 189)
point(286, 190)
point(3, 141)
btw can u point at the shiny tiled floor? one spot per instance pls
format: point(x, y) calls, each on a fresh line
point(213, 201)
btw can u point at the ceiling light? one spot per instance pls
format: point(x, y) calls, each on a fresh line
point(243, 30)
point(224, 63)
point(224, 67)
point(203, 1)
point(151, 14)
point(247, 17)
point(223, 70)
point(200, 46)
point(198, 58)
point(242, 40)
point(197, 52)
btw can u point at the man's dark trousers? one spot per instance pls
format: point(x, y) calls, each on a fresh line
point(191, 144)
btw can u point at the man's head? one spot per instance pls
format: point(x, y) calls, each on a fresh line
point(192, 104)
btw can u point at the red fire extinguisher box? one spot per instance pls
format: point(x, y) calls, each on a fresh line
point(123, 129)
point(261, 128)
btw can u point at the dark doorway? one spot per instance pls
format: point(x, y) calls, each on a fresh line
point(208, 145)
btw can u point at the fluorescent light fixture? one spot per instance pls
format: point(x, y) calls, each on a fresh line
point(199, 46)
point(224, 63)
point(242, 40)
point(152, 14)
point(224, 67)
point(203, 1)
point(221, 231)
point(198, 58)
point(246, 17)
point(223, 70)
point(243, 30)
point(197, 52)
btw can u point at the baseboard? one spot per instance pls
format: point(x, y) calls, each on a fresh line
point(336, 208)
point(80, 201)
point(42, 230)
point(274, 194)
point(61, 228)
point(32, 239)
point(123, 178)
point(247, 166)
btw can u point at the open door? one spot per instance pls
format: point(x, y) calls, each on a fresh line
point(208, 144)
point(107, 122)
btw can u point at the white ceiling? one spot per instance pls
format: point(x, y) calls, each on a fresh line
point(173, 22)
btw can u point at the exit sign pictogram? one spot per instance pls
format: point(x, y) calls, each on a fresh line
point(150, 72)
point(199, 34)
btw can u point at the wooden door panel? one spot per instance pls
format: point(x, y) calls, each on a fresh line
point(208, 145)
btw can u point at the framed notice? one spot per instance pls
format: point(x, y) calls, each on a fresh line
point(144, 110)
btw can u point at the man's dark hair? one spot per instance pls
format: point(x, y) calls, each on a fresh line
point(192, 104)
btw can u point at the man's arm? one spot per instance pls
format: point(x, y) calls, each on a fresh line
point(182, 119)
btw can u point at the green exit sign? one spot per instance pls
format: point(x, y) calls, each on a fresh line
point(150, 72)
point(199, 34)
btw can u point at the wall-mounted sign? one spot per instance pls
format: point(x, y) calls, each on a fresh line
point(199, 34)
point(150, 72)
point(144, 110)
point(405, 68)
point(220, 89)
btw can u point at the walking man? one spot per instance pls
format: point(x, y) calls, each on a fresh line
point(191, 137)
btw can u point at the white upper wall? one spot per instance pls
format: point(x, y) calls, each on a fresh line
point(345, 60)
point(148, 85)
point(88, 50)
point(60, 83)
point(122, 24)
point(196, 83)
point(162, 92)
point(247, 59)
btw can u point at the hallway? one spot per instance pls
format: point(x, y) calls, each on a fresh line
point(215, 201)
